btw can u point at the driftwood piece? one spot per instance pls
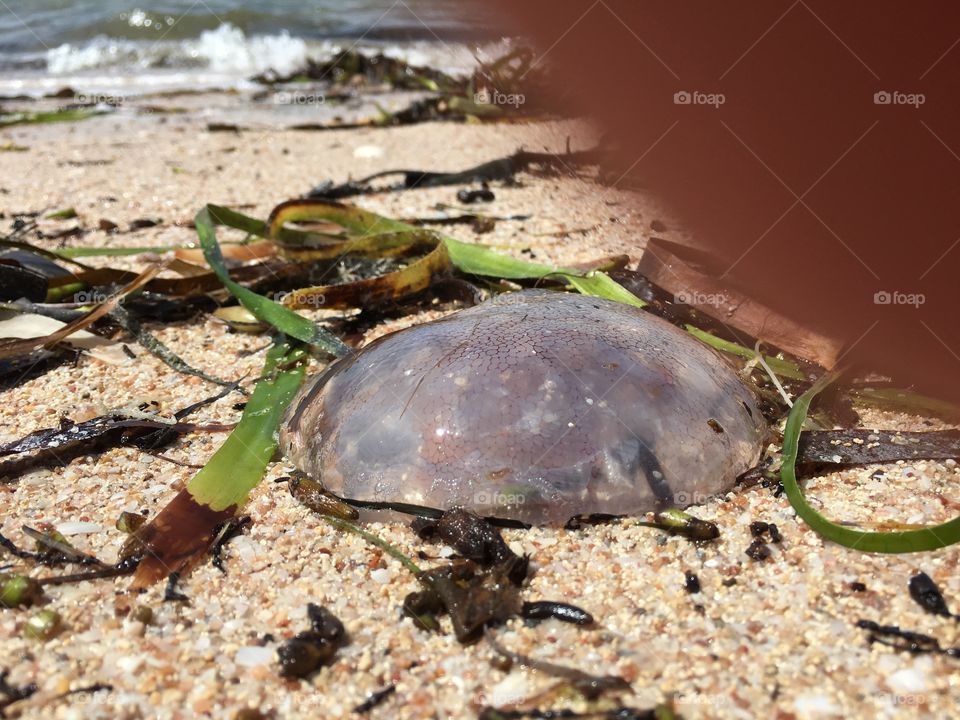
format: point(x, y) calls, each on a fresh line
point(864, 447)
point(693, 276)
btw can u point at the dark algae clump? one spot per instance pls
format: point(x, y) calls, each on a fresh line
point(308, 651)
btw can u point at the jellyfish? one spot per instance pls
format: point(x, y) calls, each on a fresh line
point(534, 406)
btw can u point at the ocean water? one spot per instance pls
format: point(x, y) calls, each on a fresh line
point(104, 45)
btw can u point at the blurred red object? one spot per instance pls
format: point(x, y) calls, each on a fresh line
point(813, 146)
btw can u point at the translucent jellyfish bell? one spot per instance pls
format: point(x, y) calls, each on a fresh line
point(534, 406)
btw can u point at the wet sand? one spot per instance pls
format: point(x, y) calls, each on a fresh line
point(774, 638)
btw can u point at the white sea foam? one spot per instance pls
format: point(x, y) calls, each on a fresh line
point(223, 50)
point(218, 58)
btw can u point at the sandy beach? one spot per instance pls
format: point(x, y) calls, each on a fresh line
point(774, 638)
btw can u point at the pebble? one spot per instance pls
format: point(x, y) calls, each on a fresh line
point(251, 656)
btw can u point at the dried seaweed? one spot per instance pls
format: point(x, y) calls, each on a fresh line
point(307, 652)
point(17, 281)
point(375, 699)
point(351, 65)
point(501, 169)
point(70, 439)
point(547, 609)
point(170, 592)
point(907, 640)
point(471, 536)
point(11, 694)
point(10, 348)
point(927, 595)
point(590, 686)
point(265, 309)
point(473, 599)
point(229, 530)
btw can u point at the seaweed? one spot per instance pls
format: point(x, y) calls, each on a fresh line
point(308, 651)
point(472, 599)
point(375, 699)
point(471, 536)
point(129, 323)
point(928, 537)
point(53, 548)
point(9, 119)
point(11, 694)
point(64, 214)
point(906, 640)
point(170, 592)
point(482, 194)
point(227, 531)
point(350, 65)
point(590, 686)
point(547, 609)
point(10, 348)
point(185, 528)
point(927, 595)
point(502, 169)
point(18, 281)
point(60, 444)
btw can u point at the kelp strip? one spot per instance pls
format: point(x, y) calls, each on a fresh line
point(75, 252)
point(38, 118)
point(368, 229)
point(187, 526)
point(263, 308)
point(917, 540)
